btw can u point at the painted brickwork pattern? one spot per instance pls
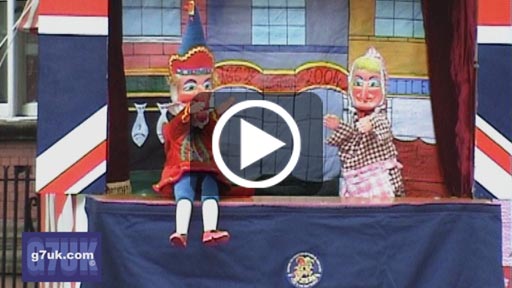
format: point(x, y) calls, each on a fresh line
point(144, 55)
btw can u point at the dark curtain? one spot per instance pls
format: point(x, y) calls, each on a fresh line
point(450, 33)
point(118, 133)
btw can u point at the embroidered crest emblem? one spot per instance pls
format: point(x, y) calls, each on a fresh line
point(304, 270)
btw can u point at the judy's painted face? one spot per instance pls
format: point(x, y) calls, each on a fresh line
point(366, 90)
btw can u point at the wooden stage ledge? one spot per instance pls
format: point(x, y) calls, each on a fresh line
point(298, 201)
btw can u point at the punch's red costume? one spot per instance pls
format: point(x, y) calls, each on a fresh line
point(187, 150)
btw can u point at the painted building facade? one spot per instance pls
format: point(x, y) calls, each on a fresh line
point(292, 47)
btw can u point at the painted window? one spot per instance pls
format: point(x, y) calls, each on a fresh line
point(399, 18)
point(151, 18)
point(278, 22)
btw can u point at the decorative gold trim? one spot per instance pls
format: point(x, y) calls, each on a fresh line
point(164, 72)
point(185, 118)
point(331, 65)
point(407, 76)
point(146, 72)
point(332, 87)
point(240, 62)
point(147, 94)
point(238, 86)
point(256, 89)
point(214, 116)
point(300, 68)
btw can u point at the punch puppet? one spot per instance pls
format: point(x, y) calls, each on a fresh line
point(189, 165)
point(368, 155)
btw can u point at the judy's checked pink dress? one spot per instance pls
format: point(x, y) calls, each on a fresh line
point(369, 164)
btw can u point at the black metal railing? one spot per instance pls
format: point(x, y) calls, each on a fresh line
point(16, 186)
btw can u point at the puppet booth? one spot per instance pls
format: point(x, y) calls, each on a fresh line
point(113, 86)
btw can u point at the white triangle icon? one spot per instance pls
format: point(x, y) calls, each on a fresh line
point(255, 144)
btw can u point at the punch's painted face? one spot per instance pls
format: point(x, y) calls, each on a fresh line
point(191, 78)
point(367, 92)
point(194, 88)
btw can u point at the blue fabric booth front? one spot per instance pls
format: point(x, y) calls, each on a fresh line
point(397, 244)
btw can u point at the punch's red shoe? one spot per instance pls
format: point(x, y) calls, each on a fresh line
point(178, 240)
point(214, 237)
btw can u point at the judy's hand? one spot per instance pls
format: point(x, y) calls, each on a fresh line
point(364, 125)
point(331, 121)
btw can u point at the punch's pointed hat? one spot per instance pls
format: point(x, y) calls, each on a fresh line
point(194, 35)
point(193, 57)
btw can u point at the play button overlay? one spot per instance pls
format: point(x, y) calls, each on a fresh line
point(256, 144)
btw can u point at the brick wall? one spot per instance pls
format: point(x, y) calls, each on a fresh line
point(17, 148)
point(16, 153)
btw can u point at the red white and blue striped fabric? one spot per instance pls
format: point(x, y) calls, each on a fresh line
point(72, 110)
point(493, 151)
point(73, 17)
point(75, 160)
point(66, 17)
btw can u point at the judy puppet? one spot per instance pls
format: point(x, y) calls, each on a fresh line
point(369, 157)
